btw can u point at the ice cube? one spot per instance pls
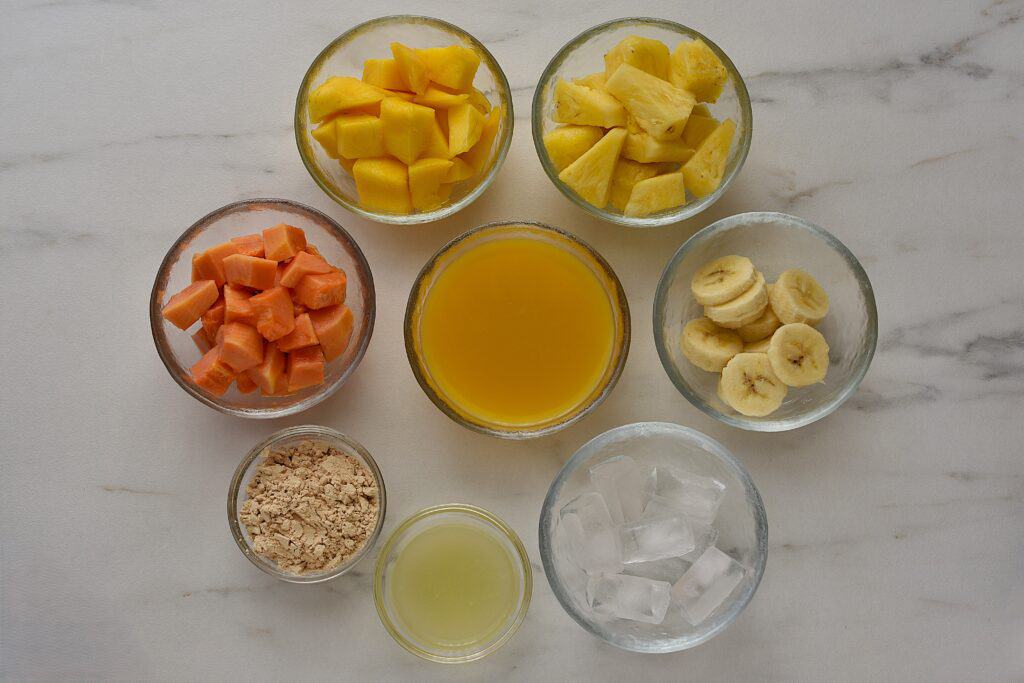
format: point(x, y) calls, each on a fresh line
point(621, 481)
point(629, 597)
point(697, 496)
point(669, 569)
point(656, 538)
point(704, 535)
point(706, 585)
point(592, 538)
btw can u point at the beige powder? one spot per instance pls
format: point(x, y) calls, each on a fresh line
point(310, 507)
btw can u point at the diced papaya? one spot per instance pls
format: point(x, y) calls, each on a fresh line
point(212, 373)
point(302, 265)
point(244, 383)
point(480, 153)
point(321, 290)
point(411, 68)
point(250, 271)
point(298, 308)
point(465, 126)
point(333, 326)
point(283, 241)
point(302, 336)
point(275, 316)
point(453, 66)
point(327, 135)
point(210, 263)
point(214, 318)
point(241, 346)
point(360, 136)
point(201, 341)
point(311, 248)
point(342, 93)
point(406, 128)
point(425, 179)
point(383, 184)
point(237, 308)
point(196, 275)
point(270, 375)
point(436, 98)
point(249, 245)
point(188, 305)
point(383, 73)
point(305, 368)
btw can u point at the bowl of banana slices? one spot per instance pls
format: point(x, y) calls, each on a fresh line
point(765, 321)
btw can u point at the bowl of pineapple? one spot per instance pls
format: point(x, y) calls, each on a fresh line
point(404, 119)
point(642, 122)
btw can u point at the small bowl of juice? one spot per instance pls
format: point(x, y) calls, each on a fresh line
point(517, 330)
point(452, 583)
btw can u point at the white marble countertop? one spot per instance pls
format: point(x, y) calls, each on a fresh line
point(896, 524)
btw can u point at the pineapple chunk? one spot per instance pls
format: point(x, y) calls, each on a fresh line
point(646, 54)
point(594, 80)
point(407, 128)
point(459, 171)
point(704, 170)
point(644, 148)
point(327, 135)
point(590, 176)
point(425, 182)
point(656, 194)
point(383, 73)
point(480, 153)
point(699, 70)
point(360, 136)
point(660, 108)
point(340, 93)
point(439, 99)
point(411, 68)
point(383, 185)
point(465, 126)
point(627, 174)
point(701, 109)
point(453, 66)
point(698, 128)
point(587, 106)
point(479, 100)
point(566, 144)
point(437, 147)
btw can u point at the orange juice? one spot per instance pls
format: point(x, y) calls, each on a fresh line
point(517, 331)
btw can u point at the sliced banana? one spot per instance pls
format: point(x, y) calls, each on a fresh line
point(750, 386)
point(759, 346)
point(722, 279)
point(797, 297)
point(744, 309)
point(763, 326)
point(709, 346)
point(798, 354)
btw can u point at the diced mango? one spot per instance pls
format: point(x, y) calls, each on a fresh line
point(302, 265)
point(400, 94)
point(244, 383)
point(566, 144)
point(214, 318)
point(425, 179)
point(627, 174)
point(656, 194)
point(250, 271)
point(480, 153)
point(660, 108)
point(590, 176)
point(341, 93)
point(333, 326)
point(327, 135)
point(587, 106)
point(383, 73)
point(360, 136)
point(459, 171)
point(440, 99)
point(644, 148)
point(236, 305)
point(465, 125)
point(212, 374)
point(270, 375)
point(275, 316)
point(383, 184)
point(704, 171)
point(305, 368)
point(411, 68)
point(646, 54)
point(241, 346)
point(696, 68)
point(594, 80)
point(250, 245)
point(697, 129)
point(479, 100)
point(347, 164)
point(321, 290)
point(210, 263)
point(302, 336)
point(201, 341)
point(187, 306)
point(453, 66)
point(407, 128)
point(283, 241)
point(437, 148)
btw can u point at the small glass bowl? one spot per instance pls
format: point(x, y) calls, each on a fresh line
point(250, 463)
point(370, 40)
point(506, 230)
point(584, 54)
point(741, 523)
point(179, 353)
point(774, 242)
point(418, 522)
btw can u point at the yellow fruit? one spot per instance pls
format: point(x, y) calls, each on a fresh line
point(587, 106)
point(480, 153)
point(453, 66)
point(465, 125)
point(660, 108)
point(411, 67)
point(701, 109)
point(383, 73)
point(439, 99)
point(407, 128)
point(646, 54)
point(697, 129)
point(566, 144)
point(459, 171)
point(656, 194)
point(327, 135)
point(697, 69)
point(400, 94)
point(437, 147)
point(479, 100)
point(425, 179)
point(340, 93)
point(627, 174)
point(644, 148)
point(590, 176)
point(360, 136)
point(594, 80)
point(383, 185)
point(347, 164)
point(704, 170)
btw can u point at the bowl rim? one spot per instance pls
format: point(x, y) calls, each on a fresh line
point(714, 449)
point(664, 218)
point(620, 300)
point(743, 422)
point(312, 432)
point(163, 274)
point(417, 217)
point(493, 520)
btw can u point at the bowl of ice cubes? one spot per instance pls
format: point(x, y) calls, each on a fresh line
point(653, 537)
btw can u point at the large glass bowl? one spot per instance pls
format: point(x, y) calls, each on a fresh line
point(774, 242)
point(345, 56)
point(584, 54)
point(741, 523)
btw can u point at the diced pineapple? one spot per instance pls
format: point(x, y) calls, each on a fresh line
point(341, 93)
point(459, 171)
point(704, 170)
point(479, 100)
point(646, 54)
point(590, 176)
point(411, 67)
point(437, 147)
point(587, 106)
point(453, 66)
point(644, 148)
point(659, 107)
point(383, 185)
point(480, 153)
point(695, 67)
point(425, 180)
point(656, 194)
point(566, 144)
point(327, 135)
point(407, 128)
point(627, 174)
point(360, 136)
point(594, 80)
point(701, 109)
point(697, 128)
point(383, 73)
point(465, 125)
point(439, 99)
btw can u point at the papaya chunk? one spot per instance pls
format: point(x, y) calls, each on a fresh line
point(250, 245)
point(270, 375)
point(187, 306)
point(201, 341)
point(212, 374)
point(283, 241)
point(210, 263)
point(274, 313)
point(302, 265)
point(241, 346)
point(302, 336)
point(250, 271)
point(244, 383)
point(236, 306)
point(321, 290)
point(305, 368)
point(333, 326)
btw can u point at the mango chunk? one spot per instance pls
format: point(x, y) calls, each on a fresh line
point(437, 147)
point(465, 125)
point(566, 144)
point(660, 108)
point(697, 129)
point(347, 164)
point(360, 136)
point(478, 155)
point(453, 66)
point(383, 184)
point(704, 171)
point(320, 290)
point(627, 174)
point(479, 100)
point(212, 374)
point(274, 313)
point(241, 346)
point(425, 184)
point(283, 241)
point(644, 148)
point(327, 135)
point(656, 194)
point(187, 306)
point(236, 306)
point(305, 368)
point(696, 68)
point(440, 99)
point(333, 326)
point(459, 171)
point(590, 176)
point(383, 73)
point(340, 93)
point(587, 106)
point(411, 68)
point(646, 54)
point(250, 271)
point(407, 128)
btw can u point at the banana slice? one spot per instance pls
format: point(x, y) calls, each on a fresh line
point(798, 298)
point(798, 354)
point(764, 326)
point(722, 279)
point(759, 346)
point(744, 309)
point(709, 346)
point(749, 385)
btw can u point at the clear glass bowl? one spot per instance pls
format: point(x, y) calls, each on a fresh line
point(774, 242)
point(371, 40)
point(250, 463)
point(741, 522)
point(584, 54)
point(411, 527)
point(508, 230)
point(179, 353)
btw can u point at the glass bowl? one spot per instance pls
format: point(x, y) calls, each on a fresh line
point(741, 522)
point(584, 54)
point(411, 527)
point(774, 242)
point(178, 352)
point(247, 468)
point(370, 40)
point(506, 230)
